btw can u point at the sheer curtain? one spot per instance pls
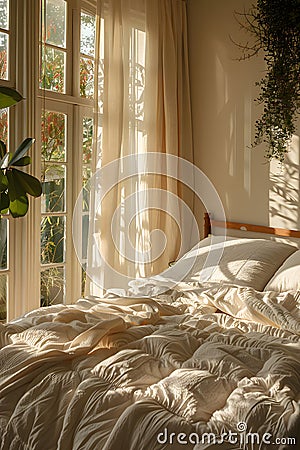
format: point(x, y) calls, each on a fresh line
point(143, 112)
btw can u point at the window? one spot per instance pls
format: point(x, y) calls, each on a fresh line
point(53, 45)
point(55, 163)
point(66, 141)
point(87, 133)
point(38, 264)
point(87, 54)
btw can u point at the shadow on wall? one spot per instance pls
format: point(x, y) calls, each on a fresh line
point(284, 190)
point(224, 112)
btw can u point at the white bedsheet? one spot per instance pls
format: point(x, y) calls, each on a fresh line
point(119, 373)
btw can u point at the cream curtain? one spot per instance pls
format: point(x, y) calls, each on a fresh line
point(143, 111)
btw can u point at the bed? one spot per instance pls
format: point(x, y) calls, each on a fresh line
point(202, 363)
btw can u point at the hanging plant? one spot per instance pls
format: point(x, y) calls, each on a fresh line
point(275, 29)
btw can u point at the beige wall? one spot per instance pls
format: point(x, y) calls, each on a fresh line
point(224, 112)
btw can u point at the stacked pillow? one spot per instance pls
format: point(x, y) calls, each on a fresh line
point(287, 277)
point(223, 260)
point(242, 262)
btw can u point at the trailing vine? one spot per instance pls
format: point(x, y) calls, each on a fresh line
point(275, 29)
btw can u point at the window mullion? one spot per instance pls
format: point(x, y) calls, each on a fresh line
point(68, 225)
point(69, 62)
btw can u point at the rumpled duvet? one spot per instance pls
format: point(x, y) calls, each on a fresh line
point(147, 374)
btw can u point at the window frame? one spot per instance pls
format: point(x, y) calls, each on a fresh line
point(76, 107)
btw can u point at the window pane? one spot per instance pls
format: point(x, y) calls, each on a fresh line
point(86, 77)
point(3, 56)
point(55, 32)
point(86, 175)
point(4, 14)
point(52, 286)
point(53, 69)
point(87, 34)
point(3, 296)
point(85, 233)
point(87, 140)
point(53, 136)
point(3, 244)
point(53, 198)
point(3, 125)
point(52, 240)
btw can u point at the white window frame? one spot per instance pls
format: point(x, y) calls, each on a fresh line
point(76, 107)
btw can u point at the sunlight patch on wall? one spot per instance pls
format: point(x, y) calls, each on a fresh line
point(221, 85)
point(247, 142)
point(284, 190)
point(231, 147)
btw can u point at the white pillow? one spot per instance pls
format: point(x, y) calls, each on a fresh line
point(287, 277)
point(242, 262)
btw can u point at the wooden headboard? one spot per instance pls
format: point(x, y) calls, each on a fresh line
point(210, 222)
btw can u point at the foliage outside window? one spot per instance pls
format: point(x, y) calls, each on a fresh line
point(274, 26)
point(4, 39)
point(53, 48)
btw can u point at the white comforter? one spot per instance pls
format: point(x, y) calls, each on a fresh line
point(121, 373)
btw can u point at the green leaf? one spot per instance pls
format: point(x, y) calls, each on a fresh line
point(4, 202)
point(21, 151)
point(3, 181)
point(27, 183)
point(9, 97)
point(2, 149)
point(5, 161)
point(18, 205)
point(14, 189)
point(25, 161)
